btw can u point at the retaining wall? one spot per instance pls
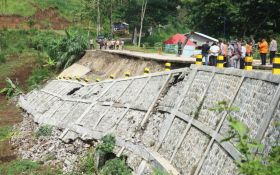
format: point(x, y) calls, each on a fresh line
point(164, 118)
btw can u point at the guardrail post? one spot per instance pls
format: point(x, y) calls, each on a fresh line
point(127, 74)
point(167, 66)
point(112, 76)
point(146, 70)
point(97, 80)
point(220, 61)
point(248, 63)
point(198, 59)
point(276, 65)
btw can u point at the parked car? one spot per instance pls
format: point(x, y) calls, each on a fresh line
point(100, 39)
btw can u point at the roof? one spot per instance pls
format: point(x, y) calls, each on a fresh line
point(176, 38)
point(203, 35)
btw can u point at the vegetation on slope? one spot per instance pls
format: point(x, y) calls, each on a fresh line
point(27, 8)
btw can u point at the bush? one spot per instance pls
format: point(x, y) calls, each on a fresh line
point(2, 57)
point(68, 50)
point(107, 144)
point(88, 165)
point(44, 130)
point(28, 167)
point(19, 167)
point(252, 162)
point(159, 171)
point(115, 166)
point(38, 76)
point(12, 89)
point(5, 133)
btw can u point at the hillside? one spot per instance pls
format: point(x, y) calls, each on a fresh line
point(28, 8)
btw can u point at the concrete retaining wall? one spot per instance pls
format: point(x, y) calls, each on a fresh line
point(164, 118)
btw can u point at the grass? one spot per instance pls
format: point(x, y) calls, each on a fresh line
point(27, 167)
point(87, 165)
point(2, 58)
point(5, 133)
point(44, 130)
point(25, 8)
point(14, 63)
point(39, 76)
point(141, 49)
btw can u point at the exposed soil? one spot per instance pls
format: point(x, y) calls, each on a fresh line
point(104, 64)
point(9, 113)
point(43, 19)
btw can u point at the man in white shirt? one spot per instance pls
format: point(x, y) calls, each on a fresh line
point(243, 55)
point(214, 52)
point(272, 49)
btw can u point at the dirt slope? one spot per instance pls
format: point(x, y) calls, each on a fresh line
point(104, 64)
point(43, 19)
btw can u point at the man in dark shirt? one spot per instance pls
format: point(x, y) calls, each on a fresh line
point(205, 51)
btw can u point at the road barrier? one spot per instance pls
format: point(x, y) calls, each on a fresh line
point(220, 61)
point(198, 59)
point(276, 65)
point(127, 74)
point(248, 63)
point(167, 66)
point(112, 76)
point(97, 80)
point(146, 70)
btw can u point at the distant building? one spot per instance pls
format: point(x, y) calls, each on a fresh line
point(200, 38)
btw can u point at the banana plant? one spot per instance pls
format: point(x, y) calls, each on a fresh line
point(50, 62)
point(11, 89)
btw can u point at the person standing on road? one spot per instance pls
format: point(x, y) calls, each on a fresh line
point(205, 51)
point(263, 49)
point(91, 44)
point(122, 44)
point(272, 49)
point(243, 55)
point(224, 51)
point(230, 54)
point(235, 59)
point(117, 44)
point(249, 48)
point(214, 52)
point(180, 48)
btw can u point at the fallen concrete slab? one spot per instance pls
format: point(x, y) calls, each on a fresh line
point(75, 70)
point(165, 118)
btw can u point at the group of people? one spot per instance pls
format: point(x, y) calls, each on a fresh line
point(235, 52)
point(111, 44)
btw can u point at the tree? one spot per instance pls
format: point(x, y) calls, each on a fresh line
point(143, 11)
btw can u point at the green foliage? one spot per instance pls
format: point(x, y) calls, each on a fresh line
point(28, 8)
point(241, 18)
point(2, 57)
point(161, 34)
point(68, 50)
point(159, 171)
point(30, 22)
point(19, 167)
point(252, 163)
point(88, 165)
point(39, 76)
point(12, 89)
point(115, 166)
point(43, 131)
point(27, 167)
point(5, 133)
point(107, 144)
